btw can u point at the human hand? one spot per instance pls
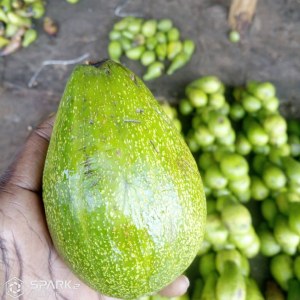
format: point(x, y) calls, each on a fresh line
point(26, 248)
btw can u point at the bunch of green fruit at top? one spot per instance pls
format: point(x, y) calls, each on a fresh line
point(153, 42)
point(246, 152)
point(17, 23)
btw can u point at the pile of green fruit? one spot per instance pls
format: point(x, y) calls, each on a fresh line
point(248, 156)
point(17, 23)
point(153, 42)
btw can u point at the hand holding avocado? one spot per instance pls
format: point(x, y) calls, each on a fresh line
point(26, 247)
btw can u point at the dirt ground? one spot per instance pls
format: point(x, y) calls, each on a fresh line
point(270, 51)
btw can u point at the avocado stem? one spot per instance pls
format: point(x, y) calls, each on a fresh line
point(98, 64)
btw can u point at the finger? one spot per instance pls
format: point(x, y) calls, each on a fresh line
point(176, 288)
point(27, 169)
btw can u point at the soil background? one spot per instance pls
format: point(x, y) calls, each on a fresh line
point(269, 51)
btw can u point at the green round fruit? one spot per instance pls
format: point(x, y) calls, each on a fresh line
point(125, 43)
point(219, 125)
point(197, 97)
point(154, 70)
point(237, 111)
point(268, 244)
point(148, 57)
point(214, 178)
point(185, 107)
point(294, 143)
point(227, 140)
point(164, 25)
point(242, 145)
point(161, 37)
point(275, 124)
point(259, 191)
point(253, 249)
point(234, 36)
point(115, 50)
point(135, 25)
point(207, 264)
point(234, 166)
point(188, 47)
point(274, 177)
point(115, 35)
point(240, 185)
point(173, 34)
point(122, 24)
point(285, 236)
point(151, 43)
point(225, 109)
point(251, 104)
point(269, 211)
point(282, 202)
point(206, 160)
point(173, 48)
point(203, 136)
point(217, 237)
point(208, 84)
point(264, 91)
point(237, 218)
point(227, 255)
point(216, 100)
point(282, 269)
point(244, 239)
point(149, 28)
point(271, 104)
point(257, 135)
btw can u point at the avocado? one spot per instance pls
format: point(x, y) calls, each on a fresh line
point(123, 196)
point(231, 283)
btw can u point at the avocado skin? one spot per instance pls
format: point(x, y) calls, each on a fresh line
point(123, 196)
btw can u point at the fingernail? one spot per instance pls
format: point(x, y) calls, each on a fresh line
point(186, 281)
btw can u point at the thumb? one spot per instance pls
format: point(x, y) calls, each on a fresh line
point(27, 169)
point(176, 288)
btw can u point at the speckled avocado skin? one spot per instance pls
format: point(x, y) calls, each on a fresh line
point(123, 196)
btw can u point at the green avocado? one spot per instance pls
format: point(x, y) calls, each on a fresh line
point(123, 196)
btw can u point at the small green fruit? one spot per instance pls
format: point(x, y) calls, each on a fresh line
point(173, 34)
point(149, 28)
point(234, 36)
point(115, 50)
point(154, 70)
point(164, 25)
point(178, 62)
point(148, 58)
point(135, 53)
